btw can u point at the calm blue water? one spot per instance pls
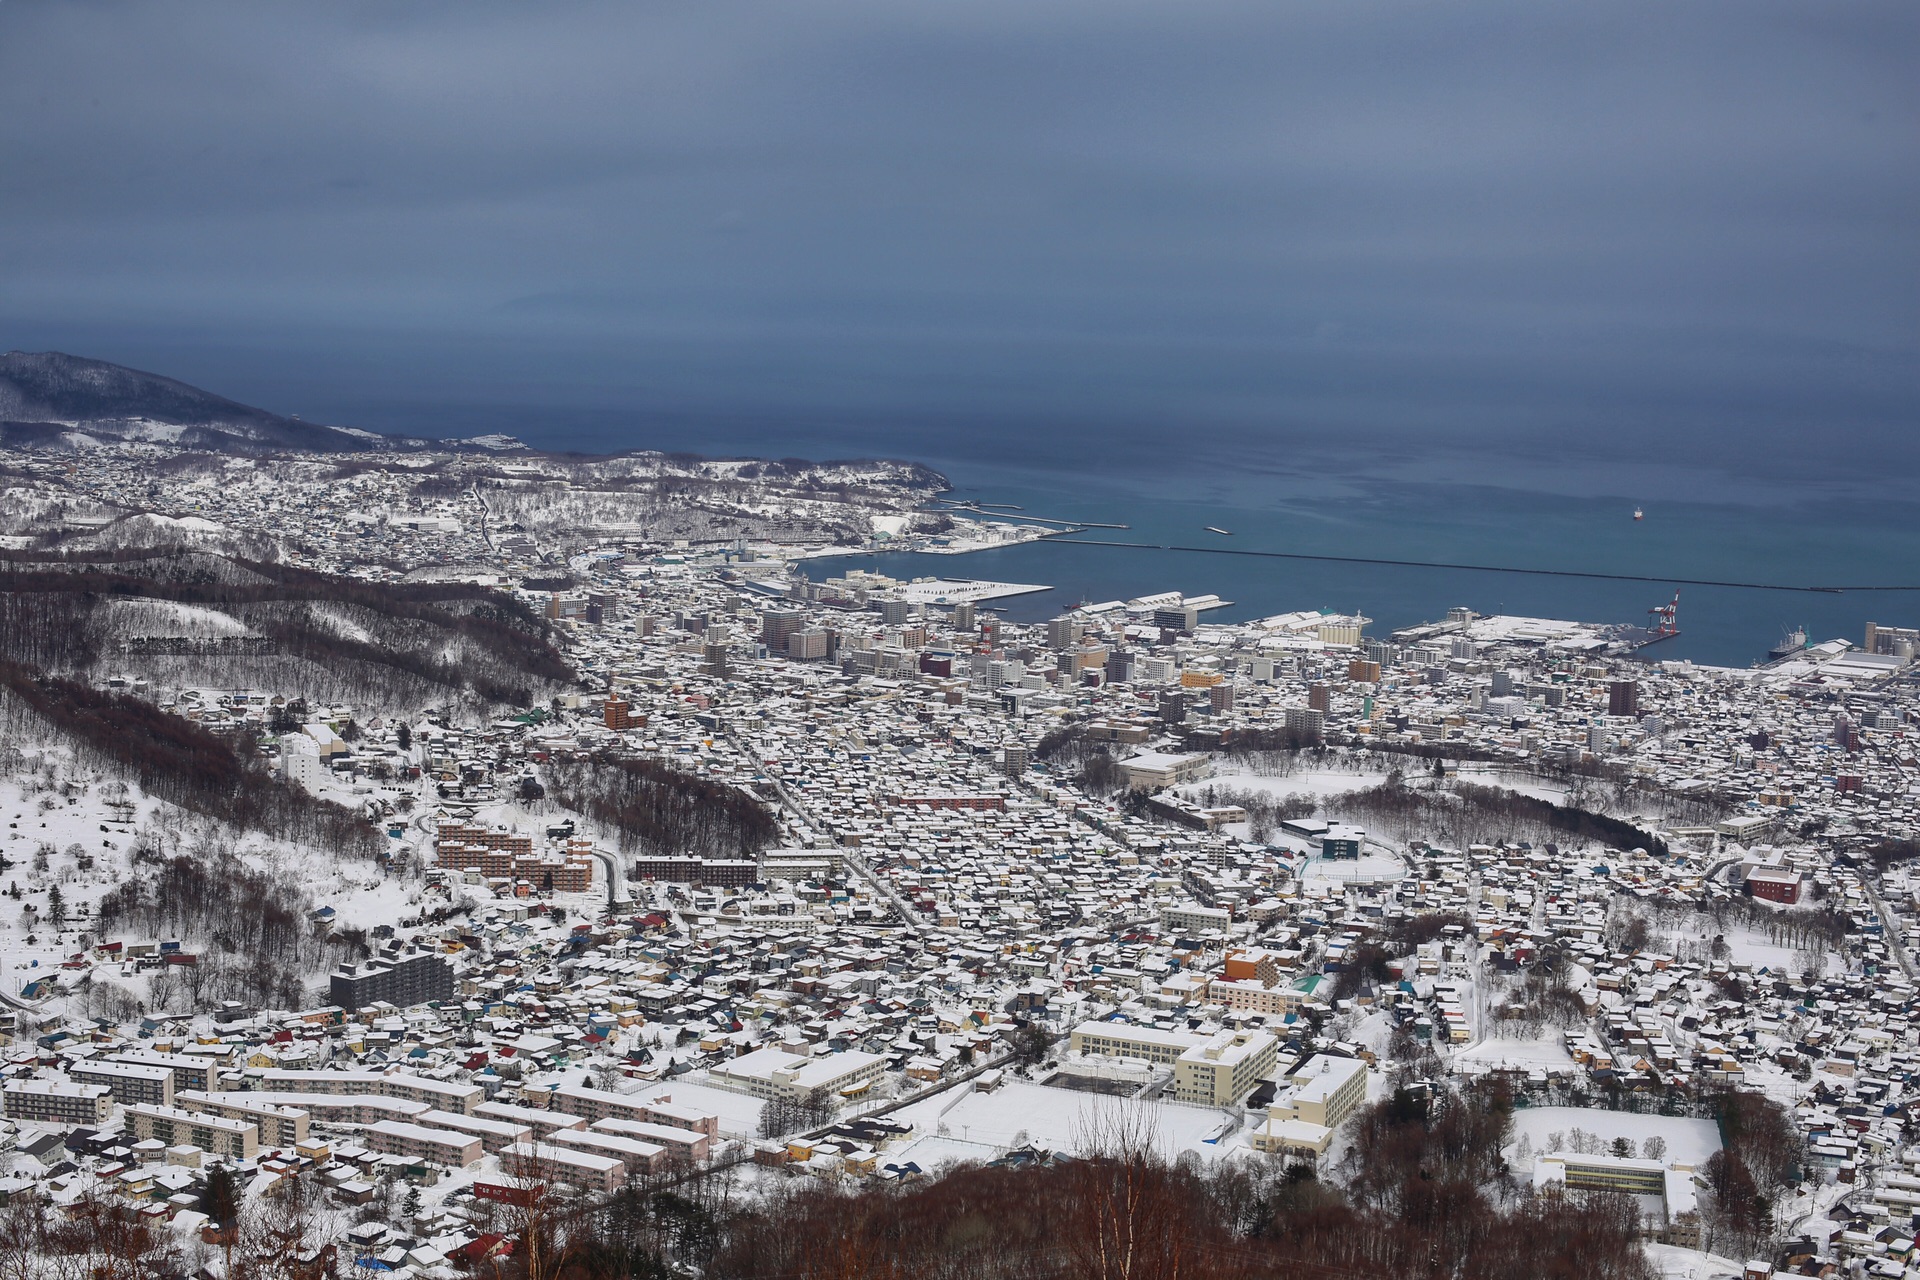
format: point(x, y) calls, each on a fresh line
point(1823, 540)
point(1745, 511)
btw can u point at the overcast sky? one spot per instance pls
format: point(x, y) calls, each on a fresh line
point(1669, 228)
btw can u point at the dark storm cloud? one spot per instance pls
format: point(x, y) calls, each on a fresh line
point(1600, 226)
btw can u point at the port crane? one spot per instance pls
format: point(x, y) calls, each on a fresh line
point(1663, 620)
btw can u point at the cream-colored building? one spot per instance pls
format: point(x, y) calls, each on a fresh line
point(233, 1139)
point(1125, 1040)
point(1255, 996)
point(774, 1073)
point(447, 1147)
point(1311, 1105)
point(1225, 1068)
point(1158, 770)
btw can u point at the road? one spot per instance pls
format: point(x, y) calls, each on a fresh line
point(1896, 937)
point(791, 804)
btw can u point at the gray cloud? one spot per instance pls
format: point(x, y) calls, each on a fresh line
point(1589, 226)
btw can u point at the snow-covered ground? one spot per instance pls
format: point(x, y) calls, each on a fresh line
point(1019, 1112)
point(1689, 1141)
point(1547, 1052)
point(1371, 867)
point(1493, 776)
point(1318, 783)
point(1744, 946)
point(739, 1113)
point(1674, 1263)
point(67, 827)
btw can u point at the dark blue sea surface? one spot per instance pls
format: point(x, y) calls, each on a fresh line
point(1701, 527)
point(1723, 505)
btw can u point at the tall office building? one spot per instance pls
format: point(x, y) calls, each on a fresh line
point(1064, 633)
point(1623, 699)
point(807, 646)
point(1176, 618)
point(777, 624)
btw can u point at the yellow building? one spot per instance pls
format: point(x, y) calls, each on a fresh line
point(1313, 1103)
point(1225, 1068)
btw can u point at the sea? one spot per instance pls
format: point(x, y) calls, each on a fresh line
point(1752, 552)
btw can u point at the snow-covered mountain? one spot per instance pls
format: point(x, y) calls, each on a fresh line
point(50, 398)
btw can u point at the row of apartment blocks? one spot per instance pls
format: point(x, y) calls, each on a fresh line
point(642, 1137)
point(511, 859)
point(68, 1105)
point(233, 1124)
point(444, 1094)
point(737, 873)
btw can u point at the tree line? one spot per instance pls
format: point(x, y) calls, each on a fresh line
point(660, 810)
point(253, 934)
point(452, 635)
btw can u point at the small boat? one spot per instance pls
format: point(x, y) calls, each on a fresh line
point(1638, 514)
point(1225, 533)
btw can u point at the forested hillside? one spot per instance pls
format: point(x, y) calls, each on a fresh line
point(184, 618)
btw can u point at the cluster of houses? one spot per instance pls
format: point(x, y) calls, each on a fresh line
point(986, 827)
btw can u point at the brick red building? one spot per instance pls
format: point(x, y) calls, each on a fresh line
point(1775, 884)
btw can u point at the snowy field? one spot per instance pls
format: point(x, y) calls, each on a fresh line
point(1318, 783)
point(1369, 868)
point(1673, 1263)
point(1750, 948)
point(1020, 1112)
point(1689, 1141)
point(1490, 776)
point(1547, 1052)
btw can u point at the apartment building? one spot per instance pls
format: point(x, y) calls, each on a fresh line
point(684, 1145)
point(494, 1135)
point(447, 1147)
point(58, 1102)
point(407, 979)
point(545, 1161)
point(190, 1070)
point(327, 1108)
point(638, 1156)
point(175, 1126)
point(282, 1126)
point(542, 1121)
point(128, 1082)
point(509, 856)
point(445, 1094)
